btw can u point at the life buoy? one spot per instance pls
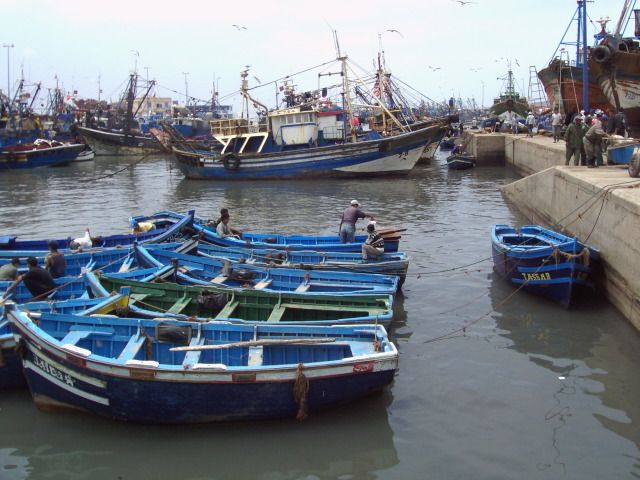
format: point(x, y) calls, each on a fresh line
point(231, 161)
point(601, 54)
point(634, 165)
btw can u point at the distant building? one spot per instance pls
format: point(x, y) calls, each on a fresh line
point(152, 106)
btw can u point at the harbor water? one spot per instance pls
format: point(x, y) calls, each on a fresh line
point(517, 388)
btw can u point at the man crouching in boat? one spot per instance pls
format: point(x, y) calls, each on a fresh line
point(223, 229)
point(373, 245)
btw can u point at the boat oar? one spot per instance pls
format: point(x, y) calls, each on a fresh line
point(254, 343)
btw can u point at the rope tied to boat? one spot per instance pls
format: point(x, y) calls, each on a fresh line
point(584, 256)
point(301, 393)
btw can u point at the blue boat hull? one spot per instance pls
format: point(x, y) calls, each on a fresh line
point(10, 364)
point(156, 402)
point(394, 155)
point(555, 267)
point(45, 157)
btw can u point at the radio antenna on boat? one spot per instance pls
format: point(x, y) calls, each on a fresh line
point(336, 43)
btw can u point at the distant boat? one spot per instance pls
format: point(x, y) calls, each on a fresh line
point(122, 138)
point(211, 372)
point(40, 153)
point(543, 262)
point(509, 99)
point(311, 137)
point(461, 161)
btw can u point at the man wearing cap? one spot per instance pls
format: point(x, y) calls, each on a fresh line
point(348, 221)
point(573, 137)
point(531, 122)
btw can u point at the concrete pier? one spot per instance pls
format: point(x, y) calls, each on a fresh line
point(600, 206)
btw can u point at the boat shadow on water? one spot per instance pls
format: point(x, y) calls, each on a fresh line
point(353, 439)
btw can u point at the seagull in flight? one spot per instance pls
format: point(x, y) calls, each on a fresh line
point(239, 27)
point(257, 79)
point(395, 31)
point(463, 2)
point(433, 69)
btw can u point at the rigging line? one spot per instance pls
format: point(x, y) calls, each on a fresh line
point(144, 157)
point(476, 320)
point(292, 75)
point(604, 200)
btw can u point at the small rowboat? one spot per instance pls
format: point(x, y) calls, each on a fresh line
point(147, 371)
point(223, 273)
point(290, 242)
point(544, 262)
point(183, 302)
point(461, 161)
point(167, 230)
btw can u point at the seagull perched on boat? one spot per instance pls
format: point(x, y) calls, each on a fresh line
point(395, 31)
point(239, 27)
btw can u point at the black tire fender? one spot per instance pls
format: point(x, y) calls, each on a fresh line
point(231, 161)
point(601, 54)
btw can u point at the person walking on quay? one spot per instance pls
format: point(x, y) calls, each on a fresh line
point(573, 136)
point(556, 124)
point(374, 244)
point(348, 221)
point(55, 262)
point(531, 123)
point(593, 144)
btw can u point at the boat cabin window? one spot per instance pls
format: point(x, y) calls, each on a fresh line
point(253, 144)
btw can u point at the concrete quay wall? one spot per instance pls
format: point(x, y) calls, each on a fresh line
point(601, 205)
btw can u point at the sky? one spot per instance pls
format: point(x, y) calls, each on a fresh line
point(86, 43)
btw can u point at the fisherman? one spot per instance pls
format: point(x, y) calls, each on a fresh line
point(37, 280)
point(55, 262)
point(86, 241)
point(531, 122)
point(574, 138)
point(593, 144)
point(348, 221)
point(9, 271)
point(618, 124)
point(142, 227)
point(374, 244)
point(223, 229)
point(223, 212)
point(556, 124)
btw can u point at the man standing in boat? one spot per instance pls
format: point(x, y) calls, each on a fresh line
point(37, 280)
point(348, 221)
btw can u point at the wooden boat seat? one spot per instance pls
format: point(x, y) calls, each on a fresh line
point(303, 287)
point(180, 304)
point(313, 306)
point(228, 309)
point(219, 279)
point(138, 297)
point(276, 314)
point(80, 332)
point(262, 284)
point(132, 347)
point(359, 349)
point(193, 357)
point(255, 356)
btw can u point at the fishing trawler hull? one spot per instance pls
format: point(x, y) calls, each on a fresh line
point(114, 143)
point(619, 79)
point(567, 95)
point(395, 155)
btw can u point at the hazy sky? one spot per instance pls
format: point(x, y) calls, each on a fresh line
point(81, 40)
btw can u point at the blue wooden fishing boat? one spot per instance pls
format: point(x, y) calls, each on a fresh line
point(461, 161)
point(310, 137)
point(10, 363)
point(33, 155)
point(324, 243)
point(389, 264)
point(165, 231)
point(223, 273)
point(543, 262)
point(146, 371)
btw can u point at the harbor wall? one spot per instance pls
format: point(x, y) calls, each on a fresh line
point(599, 206)
point(488, 148)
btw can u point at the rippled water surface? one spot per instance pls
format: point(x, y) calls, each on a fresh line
point(527, 390)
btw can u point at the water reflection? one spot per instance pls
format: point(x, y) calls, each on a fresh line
point(72, 446)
